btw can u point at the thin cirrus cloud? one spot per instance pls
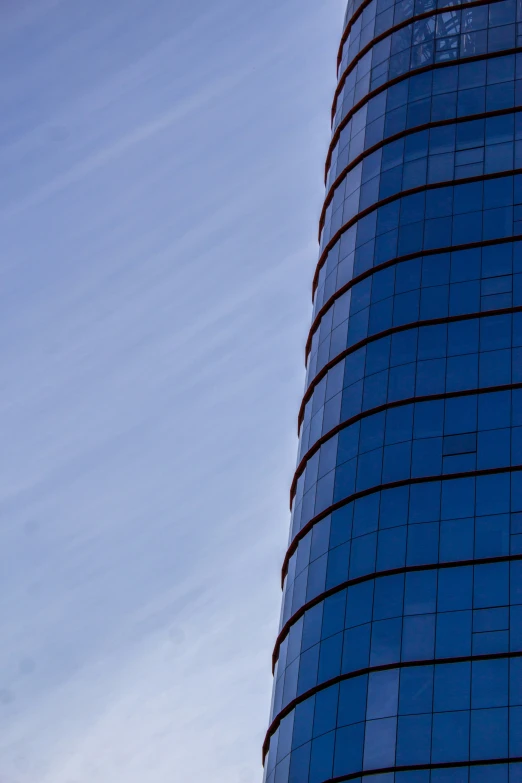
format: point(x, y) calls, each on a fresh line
point(161, 182)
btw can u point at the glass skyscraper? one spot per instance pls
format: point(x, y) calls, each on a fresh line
point(399, 656)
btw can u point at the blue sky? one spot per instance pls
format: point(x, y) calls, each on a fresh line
point(161, 180)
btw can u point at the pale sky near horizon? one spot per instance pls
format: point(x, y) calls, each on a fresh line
point(161, 179)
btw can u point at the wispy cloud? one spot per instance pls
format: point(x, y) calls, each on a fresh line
point(161, 185)
point(145, 132)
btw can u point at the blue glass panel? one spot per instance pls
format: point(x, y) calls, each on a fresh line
point(452, 687)
point(352, 701)
point(321, 759)
point(348, 750)
point(450, 739)
point(303, 722)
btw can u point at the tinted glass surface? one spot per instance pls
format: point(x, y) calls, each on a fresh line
point(399, 654)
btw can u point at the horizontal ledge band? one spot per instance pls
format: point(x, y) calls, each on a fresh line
point(391, 331)
point(403, 194)
point(400, 135)
point(380, 409)
point(396, 80)
point(393, 485)
point(389, 31)
point(358, 11)
point(347, 28)
point(420, 767)
point(370, 670)
point(392, 262)
point(381, 575)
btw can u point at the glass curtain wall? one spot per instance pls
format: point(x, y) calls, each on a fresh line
point(399, 654)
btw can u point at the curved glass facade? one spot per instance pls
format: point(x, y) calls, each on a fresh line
point(399, 654)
